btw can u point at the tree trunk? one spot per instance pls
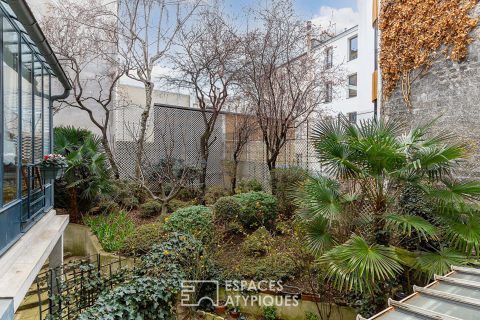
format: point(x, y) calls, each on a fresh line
point(143, 129)
point(272, 165)
point(111, 160)
point(164, 208)
point(74, 211)
point(234, 175)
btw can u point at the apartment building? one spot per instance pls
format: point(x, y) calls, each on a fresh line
point(354, 52)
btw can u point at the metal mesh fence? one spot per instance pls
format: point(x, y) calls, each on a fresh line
point(176, 131)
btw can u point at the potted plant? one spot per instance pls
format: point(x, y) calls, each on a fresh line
point(235, 312)
point(53, 166)
point(221, 307)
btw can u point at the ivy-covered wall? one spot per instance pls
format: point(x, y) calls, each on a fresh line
point(451, 91)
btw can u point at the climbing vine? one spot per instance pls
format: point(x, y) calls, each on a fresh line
point(415, 33)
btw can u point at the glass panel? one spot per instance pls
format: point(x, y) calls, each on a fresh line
point(353, 47)
point(38, 119)
point(27, 113)
point(46, 113)
point(352, 85)
point(10, 113)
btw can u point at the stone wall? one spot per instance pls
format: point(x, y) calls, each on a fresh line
point(451, 92)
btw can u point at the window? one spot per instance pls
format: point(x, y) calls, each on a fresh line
point(10, 113)
point(38, 113)
point(352, 85)
point(353, 48)
point(329, 57)
point(46, 113)
point(352, 117)
point(328, 92)
point(27, 114)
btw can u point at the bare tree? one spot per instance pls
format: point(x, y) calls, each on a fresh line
point(243, 126)
point(147, 31)
point(208, 63)
point(83, 35)
point(165, 172)
point(285, 80)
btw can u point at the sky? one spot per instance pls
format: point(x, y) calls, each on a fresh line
point(342, 12)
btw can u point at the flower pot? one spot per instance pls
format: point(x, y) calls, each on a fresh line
point(221, 308)
point(235, 314)
point(49, 173)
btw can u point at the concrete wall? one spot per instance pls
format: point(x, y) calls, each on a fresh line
point(450, 91)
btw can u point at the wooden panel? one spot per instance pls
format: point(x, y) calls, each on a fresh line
point(375, 85)
point(374, 11)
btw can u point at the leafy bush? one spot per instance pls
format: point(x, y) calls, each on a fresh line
point(248, 185)
point(286, 182)
point(311, 316)
point(152, 292)
point(144, 238)
point(227, 209)
point(276, 266)
point(258, 243)
point(195, 220)
point(234, 227)
point(127, 194)
point(112, 230)
point(106, 206)
point(175, 204)
point(150, 208)
point(270, 313)
point(257, 209)
point(214, 193)
point(188, 193)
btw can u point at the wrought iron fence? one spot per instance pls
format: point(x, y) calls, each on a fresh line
point(64, 292)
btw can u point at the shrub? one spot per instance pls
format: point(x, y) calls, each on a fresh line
point(196, 221)
point(144, 238)
point(311, 316)
point(227, 209)
point(214, 193)
point(258, 243)
point(112, 230)
point(107, 205)
point(234, 227)
point(278, 266)
point(150, 208)
point(257, 209)
point(175, 204)
point(188, 193)
point(286, 181)
point(248, 185)
point(270, 313)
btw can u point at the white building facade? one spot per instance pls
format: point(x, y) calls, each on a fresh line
point(353, 52)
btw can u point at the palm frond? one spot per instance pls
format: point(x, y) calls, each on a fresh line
point(440, 262)
point(317, 235)
point(320, 196)
point(464, 233)
point(358, 266)
point(406, 224)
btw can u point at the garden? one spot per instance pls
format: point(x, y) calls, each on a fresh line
point(385, 213)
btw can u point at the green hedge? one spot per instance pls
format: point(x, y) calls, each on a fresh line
point(257, 209)
point(195, 220)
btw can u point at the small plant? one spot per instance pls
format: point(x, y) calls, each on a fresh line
point(311, 316)
point(144, 238)
point(112, 230)
point(214, 193)
point(175, 204)
point(227, 209)
point(248, 185)
point(235, 227)
point(53, 160)
point(258, 243)
point(195, 220)
point(150, 208)
point(257, 209)
point(270, 313)
point(287, 181)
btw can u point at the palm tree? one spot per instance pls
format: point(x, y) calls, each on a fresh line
point(358, 220)
point(88, 173)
